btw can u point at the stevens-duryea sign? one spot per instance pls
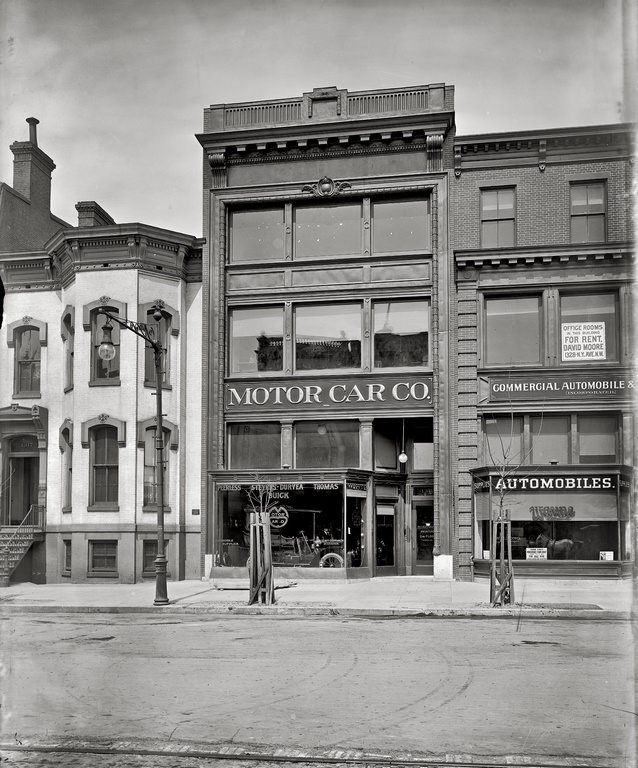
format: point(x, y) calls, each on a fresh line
point(330, 393)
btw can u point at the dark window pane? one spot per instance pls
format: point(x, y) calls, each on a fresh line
point(401, 333)
point(256, 340)
point(255, 446)
point(550, 439)
point(503, 441)
point(596, 228)
point(328, 337)
point(103, 556)
point(327, 231)
point(597, 439)
point(327, 444)
point(257, 235)
point(513, 330)
point(400, 226)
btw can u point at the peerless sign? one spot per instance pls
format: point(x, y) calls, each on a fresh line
point(334, 394)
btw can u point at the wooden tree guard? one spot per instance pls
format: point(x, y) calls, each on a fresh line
point(262, 585)
point(501, 581)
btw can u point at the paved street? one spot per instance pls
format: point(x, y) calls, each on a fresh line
point(545, 689)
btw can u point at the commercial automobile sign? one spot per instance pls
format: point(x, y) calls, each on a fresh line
point(330, 393)
point(595, 385)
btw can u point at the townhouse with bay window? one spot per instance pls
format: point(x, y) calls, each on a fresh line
point(388, 333)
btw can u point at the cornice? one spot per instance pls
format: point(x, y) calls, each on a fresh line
point(561, 254)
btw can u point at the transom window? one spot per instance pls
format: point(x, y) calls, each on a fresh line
point(327, 444)
point(498, 217)
point(255, 445)
point(331, 230)
point(588, 208)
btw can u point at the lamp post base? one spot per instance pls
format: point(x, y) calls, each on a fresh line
point(161, 592)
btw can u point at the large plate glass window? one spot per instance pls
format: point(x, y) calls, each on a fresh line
point(401, 226)
point(327, 336)
point(401, 334)
point(512, 330)
point(588, 212)
point(257, 235)
point(327, 444)
point(550, 438)
point(589, 327)
point(255, 446)
point(498, 216)
point(256, 342)
point(327, 230)
point(503, 441)
point(597, 439)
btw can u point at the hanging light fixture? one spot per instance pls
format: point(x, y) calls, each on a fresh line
point(403, 456)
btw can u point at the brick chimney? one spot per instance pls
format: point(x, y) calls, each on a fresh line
point(90, 214)
point(32, 169)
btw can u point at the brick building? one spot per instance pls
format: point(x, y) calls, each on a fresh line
point(406, 330)
point(77, 465)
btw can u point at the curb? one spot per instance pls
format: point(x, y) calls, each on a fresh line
point(234, 609)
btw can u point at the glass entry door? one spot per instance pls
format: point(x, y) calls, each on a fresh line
point(385, 539)
point(423, 548)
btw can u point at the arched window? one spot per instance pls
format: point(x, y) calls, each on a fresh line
point(103, 372)
point(104, 463)
point(26, 336)
point(163, 330)
point(66, 449)
point(67, 331)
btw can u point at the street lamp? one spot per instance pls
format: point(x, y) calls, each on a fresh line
point(106, 351)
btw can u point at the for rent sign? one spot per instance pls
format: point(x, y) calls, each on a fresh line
point(334, 394)
point(583, 341)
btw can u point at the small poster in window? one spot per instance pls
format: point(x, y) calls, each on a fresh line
point(536, 553)
point(583, 341)
point(605, 555)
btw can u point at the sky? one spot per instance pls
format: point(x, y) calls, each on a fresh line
point(120, 86)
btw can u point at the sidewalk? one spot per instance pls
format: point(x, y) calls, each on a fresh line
point(390, 596)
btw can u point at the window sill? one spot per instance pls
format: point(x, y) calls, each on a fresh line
point(105, 383)
point(26, 395)
point(68, 389)
point(103, 575)
point(66, 510)
point(66, 574)
point(151, 385)
point(152, 508)
point(103, 508)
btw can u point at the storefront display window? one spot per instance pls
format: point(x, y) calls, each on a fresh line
point(327, 444)
point(555, 518)
point(255, 446)
point(257, 235)
point(306, 526)
point(256, 340)
point(400, 226)
point(513, 330)
point(328, 230)
point(327, 336)
point(401, 333)
point(588, 327)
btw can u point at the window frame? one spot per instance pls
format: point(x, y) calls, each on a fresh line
point(67, 557)
point(484, 298)
point(66, 450)
point(67, 332)
point(587, 214)
point(169, 329)
point(597, 290)
point(230, 437)
point(92, 570)
point(90, 313)
point(483, 220)
point(330, 306)
point(14, 332)
point(364, 199)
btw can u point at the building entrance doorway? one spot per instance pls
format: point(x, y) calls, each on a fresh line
point(423, 547)
point(22, 477)
point(385, 539)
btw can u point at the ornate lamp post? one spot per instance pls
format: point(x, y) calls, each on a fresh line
point(106, 351)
